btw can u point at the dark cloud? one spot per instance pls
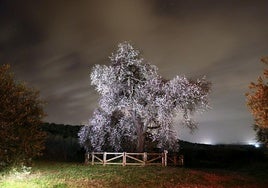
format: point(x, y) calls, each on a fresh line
point(54, 44)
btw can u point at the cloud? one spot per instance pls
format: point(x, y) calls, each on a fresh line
point(53, 45)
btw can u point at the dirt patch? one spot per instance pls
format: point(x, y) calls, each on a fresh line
point(223, 179)
point(75, 183)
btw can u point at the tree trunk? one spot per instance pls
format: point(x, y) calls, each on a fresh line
point(140, 133)
point(141, 138)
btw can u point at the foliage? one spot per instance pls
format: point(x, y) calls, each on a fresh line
point(257, 101)
point(66, 149)
point(61, 129)
point(21, 113)
point(262, 134)
point(135, 101)
point(62, 143)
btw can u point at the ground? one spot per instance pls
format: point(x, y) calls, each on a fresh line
point(53, 174)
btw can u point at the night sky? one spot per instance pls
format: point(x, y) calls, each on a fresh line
point(53, 44)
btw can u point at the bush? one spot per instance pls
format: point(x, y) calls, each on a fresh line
point(21, 112)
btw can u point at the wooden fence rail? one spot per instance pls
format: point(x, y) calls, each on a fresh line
point(141, 159)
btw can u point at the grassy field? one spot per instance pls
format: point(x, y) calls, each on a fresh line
point(52, 174)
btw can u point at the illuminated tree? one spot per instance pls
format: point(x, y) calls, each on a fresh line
point(135, 101)
point(21, 112)
point(257, 101)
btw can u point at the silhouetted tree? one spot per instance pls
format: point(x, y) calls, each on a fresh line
point(21, 112)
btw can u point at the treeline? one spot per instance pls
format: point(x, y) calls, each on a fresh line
point(62, 143)
point(61, 129)
point(221, 156)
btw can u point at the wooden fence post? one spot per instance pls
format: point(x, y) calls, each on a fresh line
point(144, 158)
point(124, 159)
point(163, 160)
point(92, 158)
point(165, 153)
point(104, 158)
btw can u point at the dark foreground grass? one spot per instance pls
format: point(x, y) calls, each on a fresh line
point(60, 175)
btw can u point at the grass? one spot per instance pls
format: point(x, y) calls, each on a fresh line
point(63, 175)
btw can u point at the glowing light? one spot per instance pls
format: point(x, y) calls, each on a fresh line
point(255, 144)
point(207, 141)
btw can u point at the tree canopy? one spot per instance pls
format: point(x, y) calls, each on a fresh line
point(137, 103)
point(21, 113)
point(257, 101)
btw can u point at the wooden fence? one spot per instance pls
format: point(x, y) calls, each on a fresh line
point(141, 159)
